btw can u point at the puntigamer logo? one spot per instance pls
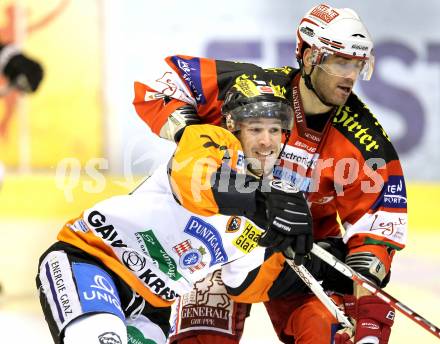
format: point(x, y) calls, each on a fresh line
point(209, 236)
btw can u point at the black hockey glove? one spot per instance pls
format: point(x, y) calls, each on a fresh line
point(289, 222)
point(177, 122)
point(288, 282)
point(22, 72)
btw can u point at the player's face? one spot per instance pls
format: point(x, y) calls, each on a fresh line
point(334, 79)
point(261, 141)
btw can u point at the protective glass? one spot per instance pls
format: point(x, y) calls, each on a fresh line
point(344, 66)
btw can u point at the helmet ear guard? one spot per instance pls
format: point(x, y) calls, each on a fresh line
point(313, 58)
point(316, 56)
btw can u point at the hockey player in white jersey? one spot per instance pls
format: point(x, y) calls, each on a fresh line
point(117, 268)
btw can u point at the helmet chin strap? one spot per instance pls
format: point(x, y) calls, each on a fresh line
point(286, 139)
point(309, 85)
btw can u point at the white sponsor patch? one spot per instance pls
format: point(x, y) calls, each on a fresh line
point(171, 85)
point(153, 96)
point(299, 157)
point(287, 174)
point(382, 223)
point(60, 290)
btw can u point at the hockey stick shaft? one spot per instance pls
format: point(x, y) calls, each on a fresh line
point(362, 281)
point(319, 292)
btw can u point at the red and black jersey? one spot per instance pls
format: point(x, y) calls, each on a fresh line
point(349, 170)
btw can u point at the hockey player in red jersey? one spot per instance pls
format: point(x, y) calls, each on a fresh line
point(338, 154)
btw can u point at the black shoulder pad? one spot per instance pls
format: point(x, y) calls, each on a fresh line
point(355, 121)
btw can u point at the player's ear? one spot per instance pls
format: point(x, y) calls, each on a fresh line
point(308, 57)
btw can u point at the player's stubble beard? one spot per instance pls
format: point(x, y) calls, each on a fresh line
point(326, 87)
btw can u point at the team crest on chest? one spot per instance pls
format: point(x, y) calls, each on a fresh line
point(190, 258)
point(233, 224)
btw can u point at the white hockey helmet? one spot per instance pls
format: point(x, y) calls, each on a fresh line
point(336, 31)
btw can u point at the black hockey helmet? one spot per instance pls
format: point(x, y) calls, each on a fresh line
point(256, 97)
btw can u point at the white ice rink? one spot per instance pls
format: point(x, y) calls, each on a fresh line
point(415, 282)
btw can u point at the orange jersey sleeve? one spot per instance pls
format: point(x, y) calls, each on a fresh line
point(256, 287)
point(207, 162)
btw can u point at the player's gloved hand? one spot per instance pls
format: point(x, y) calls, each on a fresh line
point(345, 336)
point(369, 266)
point(373, 318)
point(22, 72)
point(289, 222)
point(330, 277)
point(177, 122)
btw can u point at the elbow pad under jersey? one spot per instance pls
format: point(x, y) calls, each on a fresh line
point(177, 122)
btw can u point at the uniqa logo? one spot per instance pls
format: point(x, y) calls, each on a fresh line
point(103, 284)
point(104, 291)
